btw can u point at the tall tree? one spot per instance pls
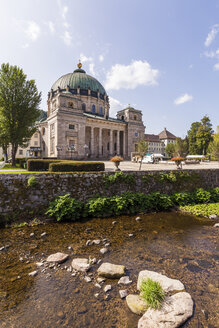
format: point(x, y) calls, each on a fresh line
point(213, 148)
point(19, 101)
point(192, 137)
point(142, 146)
point(204, 135)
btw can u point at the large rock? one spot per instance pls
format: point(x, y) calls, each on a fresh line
point(57, 257)
point(81, 264)
point(174, 312)
point(166, 283)
point(109, 270)
point(136, 304)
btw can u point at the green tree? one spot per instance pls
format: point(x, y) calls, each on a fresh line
point(192, 137)
point(199, 136)
point(142, 146)
point(204, 135)
point(19, 101)
point(181, 147)
point(170, 149)
point(4, 142)
point(213, 148)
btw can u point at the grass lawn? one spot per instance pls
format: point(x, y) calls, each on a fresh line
point(9, 167)
point(201, 209)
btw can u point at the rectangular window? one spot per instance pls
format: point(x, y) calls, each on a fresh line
point(35, 143)
point(71, 126)
point(136, 134)
point(36, 135)
point(20, 152)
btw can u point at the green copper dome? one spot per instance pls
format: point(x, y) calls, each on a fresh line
point(78, 78)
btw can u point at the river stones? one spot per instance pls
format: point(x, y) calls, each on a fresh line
point(57, 258)
point(33, 273)
point(136, 304)
point(124, 281)
point(174, 312)
point(109, 270)
point(80, 264)
point(166, 283)
point(123, 293)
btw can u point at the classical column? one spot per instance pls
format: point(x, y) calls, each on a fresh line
point(118, 143)
point(92, 141)
point(100, 142)
point(124, 150)
point(111, 142)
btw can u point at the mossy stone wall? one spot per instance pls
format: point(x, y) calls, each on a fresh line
point(19, 199)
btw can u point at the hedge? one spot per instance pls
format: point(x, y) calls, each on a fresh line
point(40, 164)
point(76, 166)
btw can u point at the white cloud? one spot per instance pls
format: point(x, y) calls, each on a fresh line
point(131, 76)
point(183, 99)
point(67, 38)
point(115, 106)
point(91, 69)
point(209, 54)
point(211, 35)
point(216, 67)
point(51, 26)
point(64, 12)
point(85, 59)
point(101, 58)
point(32, 31)
point(25, 46)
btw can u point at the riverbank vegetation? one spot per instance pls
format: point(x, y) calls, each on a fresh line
point(202, 209)
point(67, 208)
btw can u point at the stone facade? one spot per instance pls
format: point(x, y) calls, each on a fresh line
point(78, 125)
point(17, 198)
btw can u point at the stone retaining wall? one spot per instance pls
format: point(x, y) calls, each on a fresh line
point(17, 198)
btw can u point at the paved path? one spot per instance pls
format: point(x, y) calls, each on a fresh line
point(130, 166)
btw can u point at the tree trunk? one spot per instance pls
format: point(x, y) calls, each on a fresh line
point(13, 154)
point(140, 163)
point(5, 152)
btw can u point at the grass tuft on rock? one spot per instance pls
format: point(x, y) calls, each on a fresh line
point(152, 293)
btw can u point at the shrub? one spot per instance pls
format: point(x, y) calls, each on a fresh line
point(31, 182)
point(152, 293)
point(65, 208)
point(76, 166)
point(202, 196)
point(40, 164)
point(183, 198)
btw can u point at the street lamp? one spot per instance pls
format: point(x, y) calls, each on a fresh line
point(85, 150)
point(59, 148)
point(71, 148)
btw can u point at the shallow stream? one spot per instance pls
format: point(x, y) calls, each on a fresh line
point(174, 244)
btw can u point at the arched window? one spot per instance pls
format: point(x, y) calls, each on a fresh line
point(101, 110)
point(135, 117)
point(123, 117)
point(93, 108)
point(84, 107)
point(43, 131)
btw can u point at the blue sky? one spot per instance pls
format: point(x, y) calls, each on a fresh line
point(160, 56)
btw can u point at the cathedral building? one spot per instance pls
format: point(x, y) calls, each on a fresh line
point(79, 125)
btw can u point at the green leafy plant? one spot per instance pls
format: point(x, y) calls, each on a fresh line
point(118, 177)
point(152, 293)
point(202, 209)
point(65, 208)
point(31, 182)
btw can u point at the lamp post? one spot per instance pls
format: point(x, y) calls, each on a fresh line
point(71, 148)
point(85, 151)
point(59, 148)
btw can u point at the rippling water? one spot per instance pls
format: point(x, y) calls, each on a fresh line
point(177, 245)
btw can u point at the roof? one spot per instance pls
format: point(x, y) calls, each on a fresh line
point(165, 134)
point(76, 79)
point(152, 138)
